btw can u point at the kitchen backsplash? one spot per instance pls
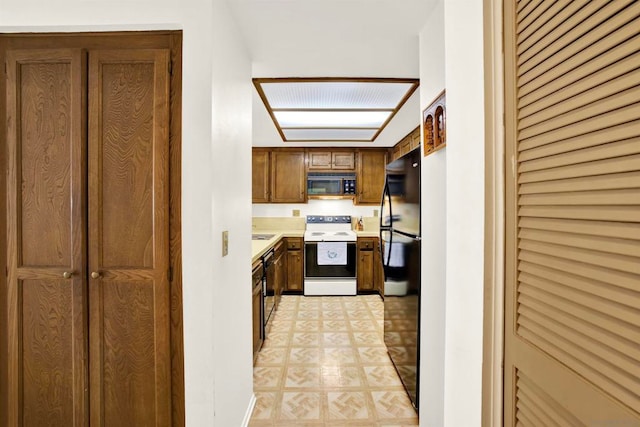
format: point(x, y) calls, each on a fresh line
point(313, 207)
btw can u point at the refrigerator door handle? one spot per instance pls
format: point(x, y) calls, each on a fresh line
point(386, 193)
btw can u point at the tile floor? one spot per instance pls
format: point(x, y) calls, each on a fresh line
point(324, 363)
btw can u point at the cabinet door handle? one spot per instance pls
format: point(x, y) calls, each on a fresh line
point(67, 274)
point(95, 275)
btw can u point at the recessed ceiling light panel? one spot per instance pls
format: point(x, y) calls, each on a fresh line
point(329, 134)
point(335, 95)
point(331, 119)
point(333, 109)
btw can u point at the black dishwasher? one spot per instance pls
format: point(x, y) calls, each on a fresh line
point(268, 289)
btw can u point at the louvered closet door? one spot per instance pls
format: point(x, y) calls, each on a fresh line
point(572, 333)
point(47, 334)
point(129, 238)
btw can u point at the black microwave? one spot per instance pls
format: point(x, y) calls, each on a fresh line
point(331, 184)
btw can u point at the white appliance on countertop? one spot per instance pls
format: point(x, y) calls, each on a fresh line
point(330, 256)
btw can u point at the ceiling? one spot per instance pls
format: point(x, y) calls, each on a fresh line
point(333, 38)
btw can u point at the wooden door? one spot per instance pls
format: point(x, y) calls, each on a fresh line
point(47, 383)
point(129, 238)
point(370, 176)
point(260, 176)
point(572, 296)
point(288, 177)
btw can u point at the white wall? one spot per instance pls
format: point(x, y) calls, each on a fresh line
point(231, 157)
point(434, 233)
point(463, 37)
point(216, 139)
point(314, 207)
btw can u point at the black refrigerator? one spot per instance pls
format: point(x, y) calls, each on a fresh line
point(400, 252)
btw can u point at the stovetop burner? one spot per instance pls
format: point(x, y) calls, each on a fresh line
point(329, 229)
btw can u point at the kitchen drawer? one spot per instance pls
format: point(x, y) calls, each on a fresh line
point(294, 243)
point(366, 244)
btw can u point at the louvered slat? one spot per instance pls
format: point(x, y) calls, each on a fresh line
point(612, 134)
point(525, 8)
point(528, 413)
point(551, 406)
point(586, 271)
point(605, 151)
point(542, 36)
point(622, 70)
point(583, 320)
point(531, 407)
point(627, 264)
point(620, 197)
point(534, 62)
point(583, 363)
point(600, 105)
point(600, 297)
point(571, 104)
point(540, 15)
point(620, 230)
point(598, 182)
point(600, 167)
point(619, 38)
point(596, 213)
point(558, 12)
point(585, 127)
point(603, 244)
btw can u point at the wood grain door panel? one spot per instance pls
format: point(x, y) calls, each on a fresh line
point(370, 176)
point(46, 228)
point(288, 177)
point(260, 176)
point(129, 237)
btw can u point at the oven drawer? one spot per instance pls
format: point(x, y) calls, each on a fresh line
point(313, 269)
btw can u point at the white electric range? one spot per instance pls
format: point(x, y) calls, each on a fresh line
point(330, 256)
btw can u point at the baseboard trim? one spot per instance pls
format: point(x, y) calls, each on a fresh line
point(247, 415)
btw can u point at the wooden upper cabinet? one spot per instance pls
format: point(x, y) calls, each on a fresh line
point(260, 172)
point(319, 159)
point(407, 144)
point(415, 138)
point(331, 160)
point(288, 177)
point(370, 176)
point(343, 160)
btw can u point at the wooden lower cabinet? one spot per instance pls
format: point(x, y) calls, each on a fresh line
point(370, 276)
point(378, 269)
point(295, 264)
point(88, 220)
point(257, 307)
point(280, 271)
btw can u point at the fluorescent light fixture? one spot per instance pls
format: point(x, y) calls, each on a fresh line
point(331, 119)
point(333, 109)
point(329, 134)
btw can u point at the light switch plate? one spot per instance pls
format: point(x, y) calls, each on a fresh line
point(225, 243)
point(375, 212)
point(296, 212)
